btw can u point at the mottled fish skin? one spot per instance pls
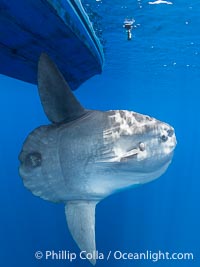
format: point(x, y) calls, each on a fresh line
point(87, 155)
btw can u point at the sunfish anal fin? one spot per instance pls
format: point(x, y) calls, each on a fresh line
point(80, 217)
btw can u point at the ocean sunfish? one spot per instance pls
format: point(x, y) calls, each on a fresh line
point(87, 155)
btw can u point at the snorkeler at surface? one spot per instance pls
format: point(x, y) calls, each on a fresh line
point(128, 25)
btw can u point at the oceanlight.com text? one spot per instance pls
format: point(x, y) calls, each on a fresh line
point(117, 255)
point(153, 256)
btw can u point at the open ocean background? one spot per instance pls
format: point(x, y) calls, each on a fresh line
point(156, 73)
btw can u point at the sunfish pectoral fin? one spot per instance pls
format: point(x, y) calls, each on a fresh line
point(121, 157)
point(130, 154)
point(58, 101)
point(80, 217)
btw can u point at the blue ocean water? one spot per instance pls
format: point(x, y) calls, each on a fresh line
point(156, 73)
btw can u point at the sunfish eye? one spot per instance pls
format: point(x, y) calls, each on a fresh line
point(141, 146)
point(164, 138)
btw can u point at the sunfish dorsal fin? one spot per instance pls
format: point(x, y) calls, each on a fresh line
point(80, 217)
point(57, 99)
